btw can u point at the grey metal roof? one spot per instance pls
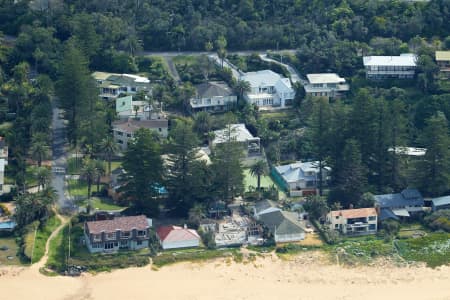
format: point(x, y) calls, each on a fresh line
point(440, 201)
point(264, 204)
point(408, 197)
point(282, 222)
point(213, 89)
point(386, 213)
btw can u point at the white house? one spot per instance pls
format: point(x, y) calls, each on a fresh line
point(124, 130)
point(300, 178)
point(3, 162)
point(358, 221)
point(325, 85)
point(212, 97)
point(112, 85)
point(384, 67)
point(443, 61)
point(284, 226)
point(173, 237)
point(268, 89)
point(127, 107)
point(238, 133)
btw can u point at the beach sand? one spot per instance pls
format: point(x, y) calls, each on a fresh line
point(304, 276)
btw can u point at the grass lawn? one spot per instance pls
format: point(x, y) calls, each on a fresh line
point(102, 204)
point(249, 180)
point(42, 236)
point(194, 254)
point(433, 249)
point(278, 115)
point(363, 249)
point(80, 256)
point(8, 251)
point(78, 188)
point(184, 59)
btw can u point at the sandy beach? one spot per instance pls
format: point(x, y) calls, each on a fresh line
point(305, 276)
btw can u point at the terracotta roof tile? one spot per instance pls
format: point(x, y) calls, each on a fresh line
point(120, 223)
point(355, 213)
point(176, 233)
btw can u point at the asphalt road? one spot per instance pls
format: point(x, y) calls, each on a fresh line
point(59, 159)
point(196, 53)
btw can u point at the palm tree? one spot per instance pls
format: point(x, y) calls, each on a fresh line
point(39, 151)
point(242, 87)
point(89, 173)
point(259, 169)
point(43, 176)
point(197, 213)
point(109, 148)
point(100, 167)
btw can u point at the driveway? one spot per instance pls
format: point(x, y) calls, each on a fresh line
point(59, 159)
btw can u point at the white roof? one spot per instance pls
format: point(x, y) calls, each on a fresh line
point(137, 78)
point(404, 60)
point(2, 165)
point(298, 171)
point(324, 78)
point(261, 78)
point(411, 151)
point(239, 133)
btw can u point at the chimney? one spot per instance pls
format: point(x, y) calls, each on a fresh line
point(185, 226)
point(350, 206)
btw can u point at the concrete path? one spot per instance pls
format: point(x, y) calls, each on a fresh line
point(172, 69)
point(295, 76)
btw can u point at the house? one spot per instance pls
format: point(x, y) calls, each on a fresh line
point(238, 133)
point(268, 89)
point(443, 62)
point(400, 205)
point(121, 233)
point(283, 225)
point(201, 155)
point(127, 107)
point(3, 162)
point(385, 67)
point(263, 207)
point(440, 203)
point(328, 85)
point(300, 178)
point(358, 221)
point(408, 151)
point(212, 97)
point(174, 237)
point(124, 130)
point(112, 85)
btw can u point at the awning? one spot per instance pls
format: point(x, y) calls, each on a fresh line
point(401, 212)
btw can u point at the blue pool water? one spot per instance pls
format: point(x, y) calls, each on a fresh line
point(7, 225)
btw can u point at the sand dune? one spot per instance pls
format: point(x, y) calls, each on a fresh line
point(304, 277)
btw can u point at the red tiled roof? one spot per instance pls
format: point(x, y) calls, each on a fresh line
point(176, 233)
point(120, 223)
point(355, 213)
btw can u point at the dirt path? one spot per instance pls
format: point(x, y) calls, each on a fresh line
point(172, 69)
point(41, 263)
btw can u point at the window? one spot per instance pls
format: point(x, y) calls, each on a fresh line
point(125, 234)
point(336, 226)
point(109, 245)
point(97, 237)
point(372, 227)
point(337, 217)
point(141, 233)
point(120, 141)
point(128, 135)
point(139, 243)
point(119, 133)
point(372, 218)
point(159, 129)
point(111, 236)
point(133, 89)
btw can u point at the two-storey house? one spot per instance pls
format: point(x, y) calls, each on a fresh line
point(328, 85)
point(386, 67)
point(212, 97)
point(443, 62)
point(112, 85)
point(268, 89)
point(399, 205)
point(124, 130)
point(238, 133)
point(3, 162)
point(121, 233)
point(300, 178)
point(358, 221)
